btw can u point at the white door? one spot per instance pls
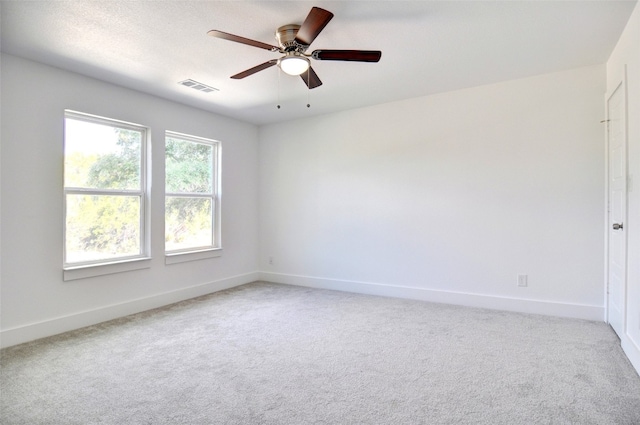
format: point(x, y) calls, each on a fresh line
point(617, 233)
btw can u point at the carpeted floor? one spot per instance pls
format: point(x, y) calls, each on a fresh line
point(275, 354)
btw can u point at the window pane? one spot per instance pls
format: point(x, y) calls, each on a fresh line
point(189, 166)
point(100, 156)
point(101, 227)
point(188, 223)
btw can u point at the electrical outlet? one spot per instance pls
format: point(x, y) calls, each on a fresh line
point(271, 261)
point(523, 280)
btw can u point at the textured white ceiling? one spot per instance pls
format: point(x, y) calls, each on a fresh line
point(427, 47)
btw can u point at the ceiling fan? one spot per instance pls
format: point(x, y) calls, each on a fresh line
point(293, 42)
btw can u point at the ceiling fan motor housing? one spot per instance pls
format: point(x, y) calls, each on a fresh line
point(286, 36)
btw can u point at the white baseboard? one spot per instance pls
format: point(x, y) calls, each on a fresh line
point(30, 332)
point(632, 350)
point(548, 308)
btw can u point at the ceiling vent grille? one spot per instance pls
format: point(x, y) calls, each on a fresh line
point(198, 86)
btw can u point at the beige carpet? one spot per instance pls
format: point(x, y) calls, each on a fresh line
point(275, 354)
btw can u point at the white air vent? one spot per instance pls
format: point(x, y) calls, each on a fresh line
point(198, 86)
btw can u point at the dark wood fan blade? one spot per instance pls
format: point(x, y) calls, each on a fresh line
point(243, 40)
point(311, 79)
point(255, 69)
point(347, 55)
point(315, 22)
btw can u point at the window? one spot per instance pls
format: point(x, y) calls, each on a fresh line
point(192, 195)
point(104, 191)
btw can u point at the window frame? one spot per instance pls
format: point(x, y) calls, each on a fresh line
point(207, 251)
point(82, 269)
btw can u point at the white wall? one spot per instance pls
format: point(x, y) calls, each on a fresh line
point(627, 52)
point(446, 198)
point(35, 300)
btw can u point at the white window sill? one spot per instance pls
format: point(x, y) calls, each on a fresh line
point(183, 257)
point(82, 272)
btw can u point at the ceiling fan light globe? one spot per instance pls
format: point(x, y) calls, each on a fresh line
point(294, 65)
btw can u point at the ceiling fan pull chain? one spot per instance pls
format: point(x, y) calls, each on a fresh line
point(308, 87)
point(279, 72)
